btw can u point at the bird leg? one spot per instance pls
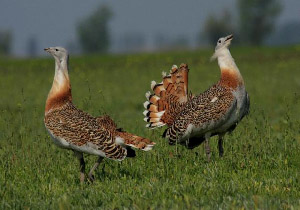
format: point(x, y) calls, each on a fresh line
point(79, 155)
point(220, 145)
point(207, 147)
point(90, 175)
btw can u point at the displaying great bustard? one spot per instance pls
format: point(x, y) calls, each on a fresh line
point(194, 119)
point(71, 128)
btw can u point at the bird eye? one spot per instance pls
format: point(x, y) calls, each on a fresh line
point(56, 49)
point(219, 41)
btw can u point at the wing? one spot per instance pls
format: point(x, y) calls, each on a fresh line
point(107, 123)
point(126, 138)
point(245, 106)
point(79, 130)
point(206, 112)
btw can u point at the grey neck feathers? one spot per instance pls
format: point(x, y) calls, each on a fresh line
point(61, 63)
point(61, 77)
point(61, 69)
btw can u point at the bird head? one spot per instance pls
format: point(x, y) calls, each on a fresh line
point(59, 53)
point(222, 43)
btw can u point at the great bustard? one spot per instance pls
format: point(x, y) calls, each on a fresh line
point(194, 119)
point(71, 128)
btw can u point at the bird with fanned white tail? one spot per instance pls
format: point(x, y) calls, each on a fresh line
point(74, 129)
point(192, 120)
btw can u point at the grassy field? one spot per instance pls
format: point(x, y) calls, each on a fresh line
point(261, 164)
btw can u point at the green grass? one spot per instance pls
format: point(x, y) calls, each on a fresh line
point(261, 163)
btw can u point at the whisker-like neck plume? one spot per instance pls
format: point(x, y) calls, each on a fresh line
point(61, 63)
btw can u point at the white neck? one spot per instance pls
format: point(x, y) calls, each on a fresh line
point(230, 74)
point(61, 76)
point(225, 60)
point(61, 63)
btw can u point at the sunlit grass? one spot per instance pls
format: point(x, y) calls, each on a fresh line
point(261, 163)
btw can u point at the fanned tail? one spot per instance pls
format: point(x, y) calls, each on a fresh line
point(131, 140)
point(168, 97)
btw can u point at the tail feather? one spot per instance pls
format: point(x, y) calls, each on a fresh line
point(134, 141)
point(152, 98)
point(158, 89)
point(152, 119)
point(152, 108)
point(168, 97)
point(155, 125)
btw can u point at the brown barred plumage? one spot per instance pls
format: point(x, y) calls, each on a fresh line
point(71, 128)
point(78, 128)
point(191, 120)
point(201, 112)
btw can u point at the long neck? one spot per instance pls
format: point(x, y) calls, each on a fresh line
point(230, 74)
point(60, 92)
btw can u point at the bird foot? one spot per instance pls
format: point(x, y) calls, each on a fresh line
point(221, 154)
point(82, 177)
point(208, 158)
point(91, 177)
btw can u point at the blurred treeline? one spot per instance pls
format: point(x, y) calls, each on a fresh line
point(5, 42)
point(253, 24)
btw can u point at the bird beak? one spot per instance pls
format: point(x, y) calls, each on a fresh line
point(229, 37)
point(47, 49)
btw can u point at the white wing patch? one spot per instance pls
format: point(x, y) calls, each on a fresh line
point(119, 141)
point(214, 99)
